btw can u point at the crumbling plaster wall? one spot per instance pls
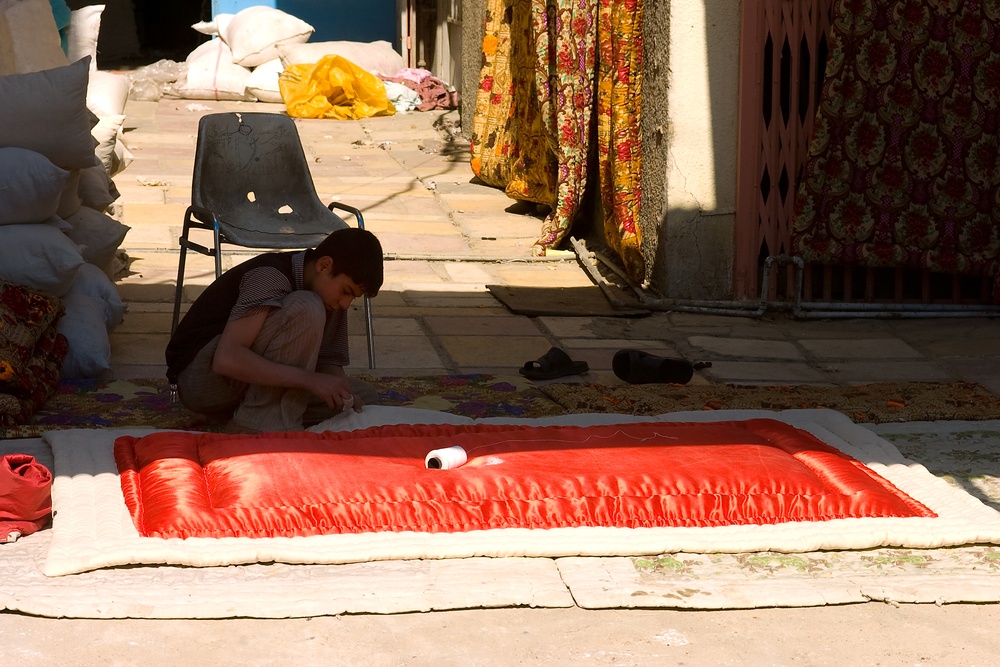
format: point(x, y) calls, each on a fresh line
point(689, 129)
point(473, 30)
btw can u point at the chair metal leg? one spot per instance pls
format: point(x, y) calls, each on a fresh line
point(369, 328)
point(179, 292)
point(217, 251)
point(195, 218)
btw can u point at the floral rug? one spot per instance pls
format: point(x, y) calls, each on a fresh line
point(146, 402)
point(870, 403)
point(475, 395)
point(113, 404)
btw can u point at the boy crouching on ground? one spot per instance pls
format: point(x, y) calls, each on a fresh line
point(266, 343)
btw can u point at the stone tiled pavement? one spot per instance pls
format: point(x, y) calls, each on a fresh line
point(446, 237)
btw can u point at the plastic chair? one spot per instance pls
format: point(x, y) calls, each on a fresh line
point(252, 188)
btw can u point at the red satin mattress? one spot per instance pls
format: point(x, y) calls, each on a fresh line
point(634, 475)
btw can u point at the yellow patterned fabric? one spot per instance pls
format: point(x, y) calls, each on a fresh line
point(548, 67)
point(510, 149)
point(619, 102)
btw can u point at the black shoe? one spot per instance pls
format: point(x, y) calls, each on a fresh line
point(638, 367)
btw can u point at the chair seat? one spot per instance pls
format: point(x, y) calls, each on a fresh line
point(253, 230)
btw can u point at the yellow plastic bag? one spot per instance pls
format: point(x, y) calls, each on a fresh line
point(333, 88)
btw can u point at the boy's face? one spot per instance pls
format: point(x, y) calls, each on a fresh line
point(336, 291)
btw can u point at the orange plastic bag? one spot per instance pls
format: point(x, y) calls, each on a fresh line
point(334, 87)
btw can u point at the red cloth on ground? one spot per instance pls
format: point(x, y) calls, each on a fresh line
point(624, 475)
point(25, 495)
point(433, 92)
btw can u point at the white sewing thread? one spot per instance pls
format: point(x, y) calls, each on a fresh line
point(446, 459)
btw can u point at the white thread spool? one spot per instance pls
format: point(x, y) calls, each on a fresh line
point(446, 459)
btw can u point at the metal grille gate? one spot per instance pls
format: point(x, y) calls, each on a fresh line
point(783, 51)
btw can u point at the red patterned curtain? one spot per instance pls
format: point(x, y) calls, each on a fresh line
point(904, 164)
point(549, 67)
point(619, 101)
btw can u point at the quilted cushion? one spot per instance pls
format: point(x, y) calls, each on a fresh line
point(82, 33)
point(89, 346)
point(97, 234)
point(93, 282)
point(97, 190)
point(107, 93)
point(111, 149)
point(640, 475)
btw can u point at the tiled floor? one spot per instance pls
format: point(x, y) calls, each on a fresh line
point(447, 237)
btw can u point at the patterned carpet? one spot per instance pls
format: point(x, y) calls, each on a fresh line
point(876, 403)
point(146, 402)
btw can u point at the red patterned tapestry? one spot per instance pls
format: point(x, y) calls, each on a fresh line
point(550, 68)
point(31, 351)
point(904, 164)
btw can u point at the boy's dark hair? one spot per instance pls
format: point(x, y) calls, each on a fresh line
point(355, 252)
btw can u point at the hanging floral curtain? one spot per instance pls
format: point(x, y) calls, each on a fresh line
point(619, 84)
point(509, 147)
point(549, 67)
point(904, 164)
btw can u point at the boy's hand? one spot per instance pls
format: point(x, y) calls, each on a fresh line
point(335, 391)
point(355, 401)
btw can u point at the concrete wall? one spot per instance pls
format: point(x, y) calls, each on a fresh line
point(473, 28)
point(689, 153)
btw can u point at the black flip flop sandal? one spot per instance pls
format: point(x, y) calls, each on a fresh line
point(553, 364)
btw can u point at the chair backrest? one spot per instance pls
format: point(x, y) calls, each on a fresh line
point(250, 169)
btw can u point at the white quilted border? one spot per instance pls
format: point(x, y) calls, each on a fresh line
point(92, 528)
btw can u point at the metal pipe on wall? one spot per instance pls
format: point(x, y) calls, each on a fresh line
point(798, 308)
